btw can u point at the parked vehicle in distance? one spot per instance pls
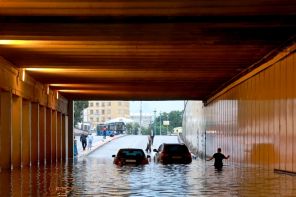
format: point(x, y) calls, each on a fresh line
point(130, 156)
point(172, 154)
point(112, 128)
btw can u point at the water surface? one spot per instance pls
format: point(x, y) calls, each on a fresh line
point(92, 176)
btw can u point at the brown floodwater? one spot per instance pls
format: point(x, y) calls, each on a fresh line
point(99, 177)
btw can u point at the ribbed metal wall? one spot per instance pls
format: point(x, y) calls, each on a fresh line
point(254, 121)
point(193, 127)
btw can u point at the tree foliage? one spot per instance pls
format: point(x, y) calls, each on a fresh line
point(133, 129)
point(78, 110)
point(174, 118)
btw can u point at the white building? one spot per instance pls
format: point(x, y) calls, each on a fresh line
point(177, 130)
point(146, 119)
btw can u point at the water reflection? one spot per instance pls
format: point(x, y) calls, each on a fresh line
point(97, 177)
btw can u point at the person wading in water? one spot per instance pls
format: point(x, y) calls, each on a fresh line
point(218, 159)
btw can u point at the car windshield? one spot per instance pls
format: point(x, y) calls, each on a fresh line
point(175, 148)
point(130, 153)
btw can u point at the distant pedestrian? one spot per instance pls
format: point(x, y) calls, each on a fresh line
point(83, 140)
point(152, 138)
point(104, 132)
point(218, 159)
point(90, 141)
point(75, 147)
point(149, 144)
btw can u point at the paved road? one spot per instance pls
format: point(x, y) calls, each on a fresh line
point(131, 141)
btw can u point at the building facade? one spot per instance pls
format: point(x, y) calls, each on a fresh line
point(146, 119)
point(98, 112)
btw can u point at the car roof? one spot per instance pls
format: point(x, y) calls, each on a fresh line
point(182, 144)
point(130, 149)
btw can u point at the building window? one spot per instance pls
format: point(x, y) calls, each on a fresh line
point(97, 104)
point(91, 119)
point(103, 119)
point(98, 119)
point(109, 103)
point(91, 111)
point(91, 104)
point(109, 118)
point(97, 112)
point(108, 111)
point(103, 111)
point(119, 103)
point(103, 104)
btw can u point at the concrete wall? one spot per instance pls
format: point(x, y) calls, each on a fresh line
point(253, 119)
point(25, 136)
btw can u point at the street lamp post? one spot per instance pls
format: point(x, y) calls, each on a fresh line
point(140, 130)
point(159, 123)
point(167, 125)
point(154, 132)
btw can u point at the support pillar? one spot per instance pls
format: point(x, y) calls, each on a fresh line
point(70, 136)
point(59, 135)
point(48, 136)
point(54, 137)
point(26, 132)
point(34, 133)
point(5, 129)
point(5, 183)
point(42, 130)
point(63, 137)
point(16, 131)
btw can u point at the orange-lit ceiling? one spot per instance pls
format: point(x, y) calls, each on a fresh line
point(142, 50)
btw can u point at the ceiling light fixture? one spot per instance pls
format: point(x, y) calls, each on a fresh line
point(23, 74)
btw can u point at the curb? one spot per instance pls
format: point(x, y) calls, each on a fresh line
point(98, 146)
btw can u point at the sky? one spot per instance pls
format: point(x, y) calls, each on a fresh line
point(159, 106)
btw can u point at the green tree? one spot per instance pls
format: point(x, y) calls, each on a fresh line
point(129, 128)
point(145, 131)
point(78, 110)
point(175, 118)
point(132, 128)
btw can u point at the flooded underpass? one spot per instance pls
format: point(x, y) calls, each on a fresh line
point(96, 175)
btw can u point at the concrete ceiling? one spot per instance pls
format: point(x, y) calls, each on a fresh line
point(140, 49)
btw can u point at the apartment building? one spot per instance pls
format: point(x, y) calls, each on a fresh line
point(99, 112)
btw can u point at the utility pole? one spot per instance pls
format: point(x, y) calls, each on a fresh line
point(154, 132)
point(140, 130)
point(159, 123)
point(167, 125)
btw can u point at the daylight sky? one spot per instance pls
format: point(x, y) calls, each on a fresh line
point(150, 106)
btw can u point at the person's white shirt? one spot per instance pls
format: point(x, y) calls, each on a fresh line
point(90, 138)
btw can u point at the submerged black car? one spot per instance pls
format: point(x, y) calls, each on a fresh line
point(130, 156)
point(172, 153)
